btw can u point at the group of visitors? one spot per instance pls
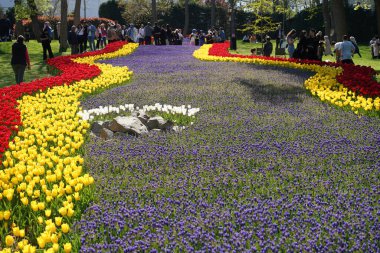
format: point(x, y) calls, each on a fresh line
point(313, 45)
point(82, 34)
point(213, 35)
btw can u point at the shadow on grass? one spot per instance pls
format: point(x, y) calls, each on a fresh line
point(271, 93)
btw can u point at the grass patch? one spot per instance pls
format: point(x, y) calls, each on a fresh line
point(39, 67)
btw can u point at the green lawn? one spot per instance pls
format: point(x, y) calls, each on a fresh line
point(366, 60)
point(39, 68)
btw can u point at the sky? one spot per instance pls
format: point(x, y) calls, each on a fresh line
point(91, 10)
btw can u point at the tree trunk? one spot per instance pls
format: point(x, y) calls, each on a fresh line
point(377, 9)
point(63, 45)
point(339, 19)
point(34, 17)
point(326, 17)
point(213, 9)
point(77, 12)
point(19, 28)
point(186, 28)
point(233, 32)
point(154, 11)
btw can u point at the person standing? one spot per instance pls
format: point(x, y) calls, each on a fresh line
point(141, 35)
point(45, 41)
point(312, 46)
point(85, 36)
point(80, 35)
point(353, 41)
point(346, 50)
point(156, 34)
point(20, 59)
point(58, 30)
point(148, 31)
point(375, 45)
point(103, 33)
point(290, 38)
point(91, 36)
point(268, 47)
point(327, 46)
point(73, 40)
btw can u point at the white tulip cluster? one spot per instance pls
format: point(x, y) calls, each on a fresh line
point(102, 110)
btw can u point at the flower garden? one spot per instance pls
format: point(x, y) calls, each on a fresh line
point(265, 166)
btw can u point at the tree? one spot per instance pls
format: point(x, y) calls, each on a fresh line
point(77, 12)
point(63, 45)
point(340, 23)
point(213, 8)
point(263, 22)
point(326, 17)
point(34, 17)
point(186, 28)
point(154, 11)
point(19, 28)
point(113, 10)
point(377, 10)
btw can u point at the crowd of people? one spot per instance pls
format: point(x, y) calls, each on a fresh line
point(86, 33)
point(86, 36)
point(312, 45)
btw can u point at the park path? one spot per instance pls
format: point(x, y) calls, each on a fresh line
point(265, 165)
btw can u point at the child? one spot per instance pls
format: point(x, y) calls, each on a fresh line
point(253, 51)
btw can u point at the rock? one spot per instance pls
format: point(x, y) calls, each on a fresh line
point(156, 130)
point(167, 126)
point(155, 122)
point(143, 117)
point(106, 124)
point(130, 125)
point(106, 134)
point(96, 127)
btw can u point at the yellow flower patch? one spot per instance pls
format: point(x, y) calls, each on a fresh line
point(42, 177)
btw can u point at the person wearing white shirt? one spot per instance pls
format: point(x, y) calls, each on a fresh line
point(337, 51)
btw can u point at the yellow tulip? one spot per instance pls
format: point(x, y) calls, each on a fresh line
point(65, 228)
point(9, 240)
point(7, 215)
point(67, 247)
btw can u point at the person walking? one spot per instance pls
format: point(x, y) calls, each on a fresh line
point(73, 40)
point(45, 41)
point(20, 59)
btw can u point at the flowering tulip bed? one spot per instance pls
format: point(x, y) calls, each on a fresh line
point(342, 85)
point(42, 181)
point(264, 168)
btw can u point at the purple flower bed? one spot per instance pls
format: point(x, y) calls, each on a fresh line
point(265, 167)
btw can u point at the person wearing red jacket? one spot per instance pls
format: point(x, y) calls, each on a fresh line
point(20, 59)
